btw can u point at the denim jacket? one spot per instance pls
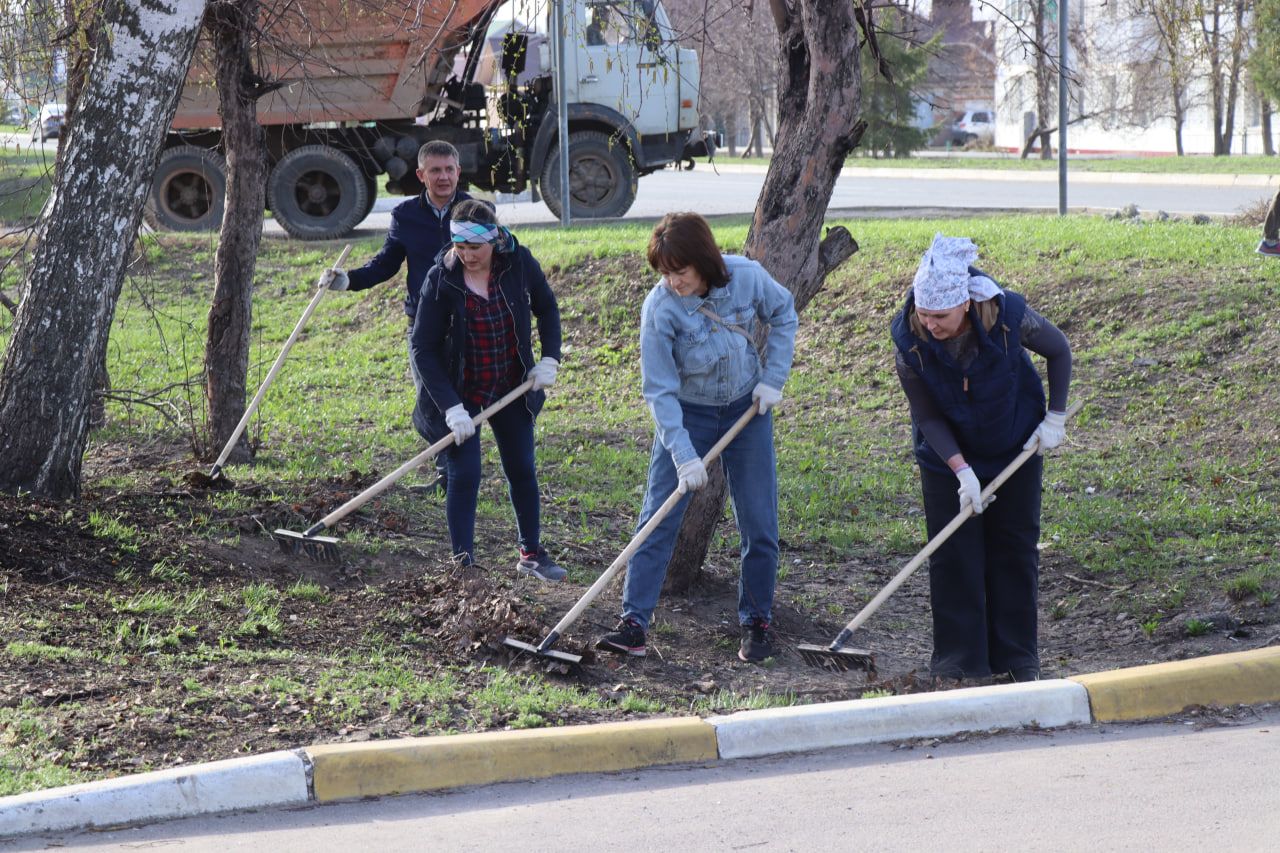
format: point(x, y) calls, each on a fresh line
point(687, 356)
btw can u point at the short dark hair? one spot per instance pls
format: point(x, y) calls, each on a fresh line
point(474, 210)
point(436, 148)
point(685, 240)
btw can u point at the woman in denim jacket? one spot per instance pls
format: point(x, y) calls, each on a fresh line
point(701, 372)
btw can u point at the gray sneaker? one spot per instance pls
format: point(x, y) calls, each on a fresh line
point(540, 565)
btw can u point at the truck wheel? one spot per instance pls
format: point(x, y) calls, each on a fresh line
point(317, 193)
point(188, 191)
point(602, 180)
point(371, 187)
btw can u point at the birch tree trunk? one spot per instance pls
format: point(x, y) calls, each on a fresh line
point(84, 238)
point(819, 123)
point(231, 24)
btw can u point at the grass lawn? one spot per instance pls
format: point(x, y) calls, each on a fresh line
point(178, 634)
point(25, 180)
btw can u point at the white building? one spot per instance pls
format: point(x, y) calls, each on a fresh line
point(1122, 82)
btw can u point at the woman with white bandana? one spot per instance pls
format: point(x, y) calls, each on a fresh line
point(976, 402)
point(471, 344)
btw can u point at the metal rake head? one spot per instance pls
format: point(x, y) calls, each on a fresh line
point(546, 654)
point(321, 549)
point(837, 659)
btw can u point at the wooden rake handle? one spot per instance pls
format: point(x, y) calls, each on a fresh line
point(936, 542)
point(389, 480)
point(275, 368)
point(644, 532)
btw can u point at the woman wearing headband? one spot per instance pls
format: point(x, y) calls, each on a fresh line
point(976, 403)
point(471, 344)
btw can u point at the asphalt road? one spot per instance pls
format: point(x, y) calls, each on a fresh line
point(1169, 786)
point(733, 189)
point(889, 192)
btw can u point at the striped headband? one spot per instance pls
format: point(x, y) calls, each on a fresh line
point(473, 232)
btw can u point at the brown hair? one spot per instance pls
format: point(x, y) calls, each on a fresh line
point(685, 240)
point(436, 148)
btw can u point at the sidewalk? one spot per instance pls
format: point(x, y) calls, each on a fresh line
point(976, 172)
point(332, 772)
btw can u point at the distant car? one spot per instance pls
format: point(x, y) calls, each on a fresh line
point(973, 125)
point(48, 123)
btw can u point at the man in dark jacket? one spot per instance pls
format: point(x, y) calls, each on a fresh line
point(419, 230)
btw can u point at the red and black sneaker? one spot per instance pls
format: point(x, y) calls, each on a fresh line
point(626, 639)
point(757, 642)
point(1270, 248)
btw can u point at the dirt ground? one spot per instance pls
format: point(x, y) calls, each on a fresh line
point(150, 702)
point(141, 710)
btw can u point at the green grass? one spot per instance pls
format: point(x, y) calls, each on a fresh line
point(25, 181)
point(32, 753)
point(1165, 488)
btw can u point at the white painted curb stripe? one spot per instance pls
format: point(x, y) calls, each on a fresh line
point(273, 779)
point(808, 727)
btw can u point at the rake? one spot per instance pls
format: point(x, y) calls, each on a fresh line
point(837, 656)
point(324, 549)
point(216, 471)
point(543, 649)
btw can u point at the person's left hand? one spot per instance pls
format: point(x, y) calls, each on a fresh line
point(766, 397)
point(543, 373)
point(1050, 433)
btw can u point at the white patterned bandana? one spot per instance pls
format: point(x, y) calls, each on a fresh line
point(473, 232)
point(943, 282)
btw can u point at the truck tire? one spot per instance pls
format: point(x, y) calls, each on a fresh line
point(602, 179)
point(188, 192)
point(371, 187)
point(317, 193)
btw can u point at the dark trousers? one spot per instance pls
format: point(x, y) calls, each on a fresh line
point(983, 580)
point(513, 432)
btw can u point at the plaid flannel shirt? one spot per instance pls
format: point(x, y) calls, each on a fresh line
point(491, 366)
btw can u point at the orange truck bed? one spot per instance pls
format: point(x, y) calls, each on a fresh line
point(344, 60)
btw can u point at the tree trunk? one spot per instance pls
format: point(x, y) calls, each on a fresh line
point(84, 238)
point(819, 108)
point(86, 22)
point(231, 24)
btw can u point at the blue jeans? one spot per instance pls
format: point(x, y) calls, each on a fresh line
point(751, 469)
point(513, 432)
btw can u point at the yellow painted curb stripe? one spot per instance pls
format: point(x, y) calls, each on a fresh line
point(1167, 688)
point(348, 770)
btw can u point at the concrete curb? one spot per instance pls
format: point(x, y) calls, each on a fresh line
point(329, 772)
point(343, 771)
point(1241, 678)
point(271, 779)
point(1046, 704)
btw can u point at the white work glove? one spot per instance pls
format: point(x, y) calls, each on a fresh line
point(692, 474)
point(460, 422)
point(335, 279)
point(543, 373)
point(766, 396)
point(1051, 432)
point(970, 490)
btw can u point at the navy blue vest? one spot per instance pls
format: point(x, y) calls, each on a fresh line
point(995, 404)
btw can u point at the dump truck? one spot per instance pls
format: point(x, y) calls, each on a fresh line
point(355, 87)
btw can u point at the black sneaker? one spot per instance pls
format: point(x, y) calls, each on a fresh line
point(626, 639)
point(540, 565)
point(757, 642)
point(1024, 674)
